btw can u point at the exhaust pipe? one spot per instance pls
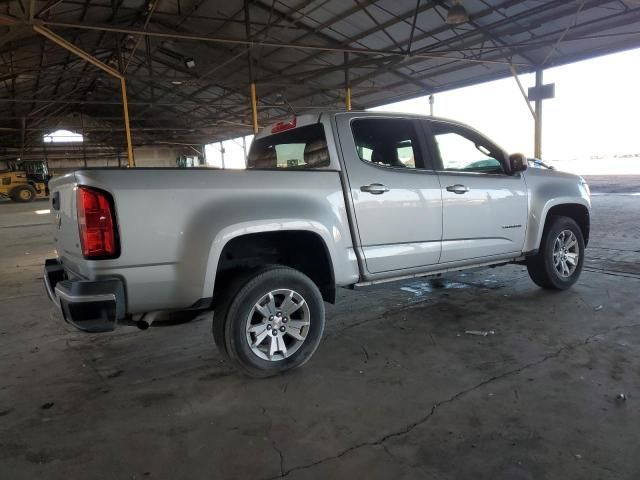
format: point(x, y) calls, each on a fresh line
point(176, 317)
point(146, 320)
point(142, 324)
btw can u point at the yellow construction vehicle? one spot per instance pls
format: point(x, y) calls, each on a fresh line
point(24, 181)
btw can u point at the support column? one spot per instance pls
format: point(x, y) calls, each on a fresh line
point(522, 91)
point(244, 148)
point(347, 83)
point(57, 39)
point(537, 141)
point(252, 86)
point(44, 150)
point(23, 135)
point(84, 145)
point(254, 108)
point(127, 126)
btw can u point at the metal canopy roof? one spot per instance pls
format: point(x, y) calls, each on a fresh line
point(302, 52)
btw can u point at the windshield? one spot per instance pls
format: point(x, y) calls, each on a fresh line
point(300, 148)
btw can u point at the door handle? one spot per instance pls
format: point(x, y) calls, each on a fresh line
point(374, 188)
point(457, 188)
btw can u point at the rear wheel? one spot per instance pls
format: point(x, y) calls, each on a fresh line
point(559, 261)
point(23, 194)
point(233, 282)
point(273, 323)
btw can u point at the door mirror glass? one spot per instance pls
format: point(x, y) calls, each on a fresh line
point(517, 163)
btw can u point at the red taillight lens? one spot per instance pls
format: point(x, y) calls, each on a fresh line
point(97, 226)
point(284, 126)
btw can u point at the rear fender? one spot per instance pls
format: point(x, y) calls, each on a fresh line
point(274, 225)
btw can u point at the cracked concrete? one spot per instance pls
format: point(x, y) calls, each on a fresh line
point(396, 390)
point(409, 428)
point(273, 443)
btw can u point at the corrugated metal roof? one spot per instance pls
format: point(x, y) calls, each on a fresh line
point(395, 49)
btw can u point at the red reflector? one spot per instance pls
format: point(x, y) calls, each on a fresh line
point(95, 220)
point(282, 126)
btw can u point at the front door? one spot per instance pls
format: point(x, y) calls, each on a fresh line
point(484, 208)
point(397, 202)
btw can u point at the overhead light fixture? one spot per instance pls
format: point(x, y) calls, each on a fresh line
point(130, 42)
point(189, 62)
point(176, 82)
point(457, 14)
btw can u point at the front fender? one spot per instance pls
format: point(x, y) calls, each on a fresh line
point(548, 190)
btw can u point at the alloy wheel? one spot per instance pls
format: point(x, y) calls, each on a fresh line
point(566, 253)
point(278, 325)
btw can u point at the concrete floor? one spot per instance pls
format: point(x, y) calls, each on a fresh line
point(396, 389)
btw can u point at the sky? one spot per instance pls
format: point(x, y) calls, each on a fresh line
point(595, 112)
point(596, 109)
point(62, 136)
point(233, 153)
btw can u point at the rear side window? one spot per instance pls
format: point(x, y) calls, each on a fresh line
point(297, 149)
point(388, 142)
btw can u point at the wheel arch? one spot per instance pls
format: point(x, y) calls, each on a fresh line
point(578, 212)
point(251, 250)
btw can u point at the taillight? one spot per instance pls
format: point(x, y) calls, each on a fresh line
point(98, 235)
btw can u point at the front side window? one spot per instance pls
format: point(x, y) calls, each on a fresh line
point(388, 142)
point(465, 151)
point(300, 148)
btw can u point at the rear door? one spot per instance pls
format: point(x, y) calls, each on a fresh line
point(484, 208)
point(397, 203)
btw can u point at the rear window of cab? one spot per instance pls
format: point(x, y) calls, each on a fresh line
point(297, 149)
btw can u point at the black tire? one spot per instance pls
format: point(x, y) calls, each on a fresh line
point(23, 194)
point(231, 317)
point(233, 281)
point(541, 267)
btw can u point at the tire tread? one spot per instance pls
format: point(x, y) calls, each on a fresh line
point(540, 270)
point(239, 288)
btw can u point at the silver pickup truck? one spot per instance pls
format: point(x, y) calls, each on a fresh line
point(336, 199)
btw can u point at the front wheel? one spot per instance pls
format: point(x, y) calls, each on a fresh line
point(559, 261)
point(274, 322)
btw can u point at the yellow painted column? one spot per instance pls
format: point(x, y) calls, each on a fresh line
point(55, 38)
point(254, 108)
point(127, 128)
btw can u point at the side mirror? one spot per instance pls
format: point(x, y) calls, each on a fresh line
point(517, 163)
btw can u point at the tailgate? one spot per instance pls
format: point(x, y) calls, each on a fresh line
point(65, 224)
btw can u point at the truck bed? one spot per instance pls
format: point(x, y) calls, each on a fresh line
point(173, 223)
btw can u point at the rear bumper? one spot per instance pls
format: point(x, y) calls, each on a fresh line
point(90, 306)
